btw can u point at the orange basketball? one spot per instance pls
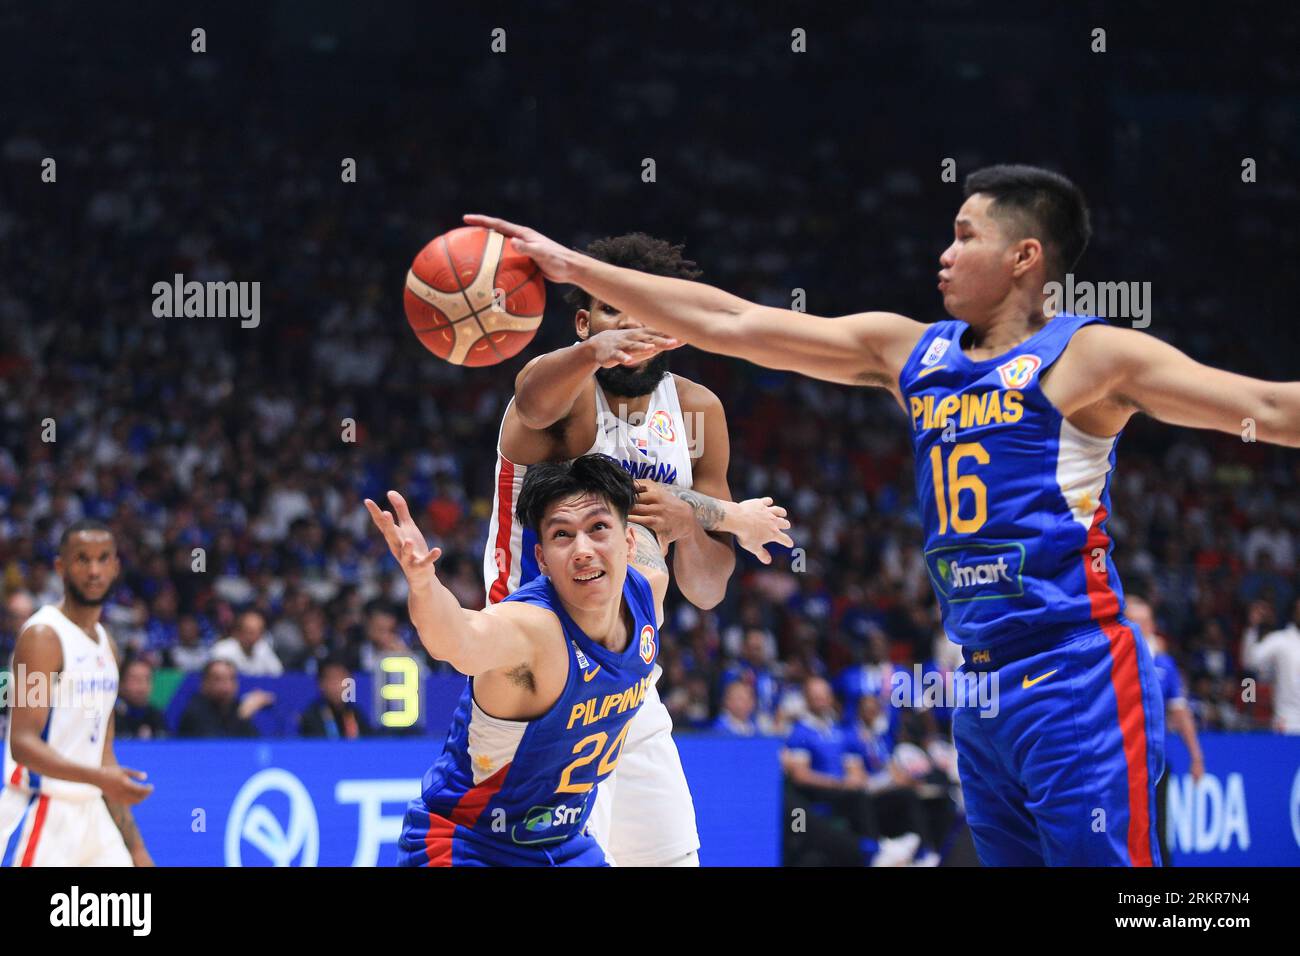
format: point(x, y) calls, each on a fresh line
point(472, 299)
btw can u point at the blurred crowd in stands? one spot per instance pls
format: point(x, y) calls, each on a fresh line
point(223, 459)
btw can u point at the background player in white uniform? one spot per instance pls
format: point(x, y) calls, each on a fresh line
point(65, 801)
point(612, 393)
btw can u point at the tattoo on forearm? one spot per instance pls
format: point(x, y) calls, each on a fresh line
point(708, 511)
point(121, 815)
point(648, 554)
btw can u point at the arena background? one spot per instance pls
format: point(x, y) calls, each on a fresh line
point(818, 171)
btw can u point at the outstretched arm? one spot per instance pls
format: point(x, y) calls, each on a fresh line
point(473, 642)
point(864, 349)
point(1156, 378)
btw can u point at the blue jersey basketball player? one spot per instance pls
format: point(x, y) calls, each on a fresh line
point(1015, 410)
point(557, 671)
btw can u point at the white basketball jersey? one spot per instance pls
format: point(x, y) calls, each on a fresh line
point(655, 448)
point(81, 704)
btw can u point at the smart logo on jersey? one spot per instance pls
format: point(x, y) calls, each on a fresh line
point(977, 572)
point(935, 352)
point(1019, 371)
point(546, 824)
point(648, 644)
point(661, 423)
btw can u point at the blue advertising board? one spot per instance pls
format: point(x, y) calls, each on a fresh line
point(340, 803)
point(1245, 811)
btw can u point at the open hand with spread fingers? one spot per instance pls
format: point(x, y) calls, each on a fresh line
point(555, 261)
point(405, 540)
point(756, 522)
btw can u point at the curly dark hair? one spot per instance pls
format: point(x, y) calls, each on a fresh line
point(636, 250)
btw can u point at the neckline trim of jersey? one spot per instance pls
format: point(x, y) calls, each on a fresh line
point(97, 640)
point(594, 647)
point(1010, 353)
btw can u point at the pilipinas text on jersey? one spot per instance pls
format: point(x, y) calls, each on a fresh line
point(1013, 498)
point(524, 786)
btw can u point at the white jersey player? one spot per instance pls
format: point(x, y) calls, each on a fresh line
point(65, 800)
point(612, 394)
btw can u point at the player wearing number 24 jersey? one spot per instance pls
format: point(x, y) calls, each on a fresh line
point(612, 393)
point(1014, 411)
point(557, 672)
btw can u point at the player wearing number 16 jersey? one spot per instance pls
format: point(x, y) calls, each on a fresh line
point(1014, 412)
point(557, 672)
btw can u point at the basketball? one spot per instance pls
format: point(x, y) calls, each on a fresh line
point(472, 299)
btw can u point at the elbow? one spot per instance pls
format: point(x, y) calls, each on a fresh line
point(728, 333)
point(1277, 424)
point(531, 417)
point(706, 590)
point(20, 747)
point(706, 599)
point(439, 648)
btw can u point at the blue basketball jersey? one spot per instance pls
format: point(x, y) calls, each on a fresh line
point(1013, 498)
point(528, 786)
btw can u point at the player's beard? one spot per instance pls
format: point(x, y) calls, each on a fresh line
point(80, 597)
point(633, 382)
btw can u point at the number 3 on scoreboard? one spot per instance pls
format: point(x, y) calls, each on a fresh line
point(596, 743)
point(951, 503)
point(406, 691)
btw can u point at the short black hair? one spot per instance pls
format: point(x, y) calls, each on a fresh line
point(83, 524)
point(329, 662)
point(553, 481)
point(1039, 203)
point(214, 662)
point(639, 251)
point(136, 662)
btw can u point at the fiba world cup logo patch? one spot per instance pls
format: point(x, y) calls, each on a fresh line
point(648, 644)
point(935, 352)
point(661, 423)
point(1018, 372)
